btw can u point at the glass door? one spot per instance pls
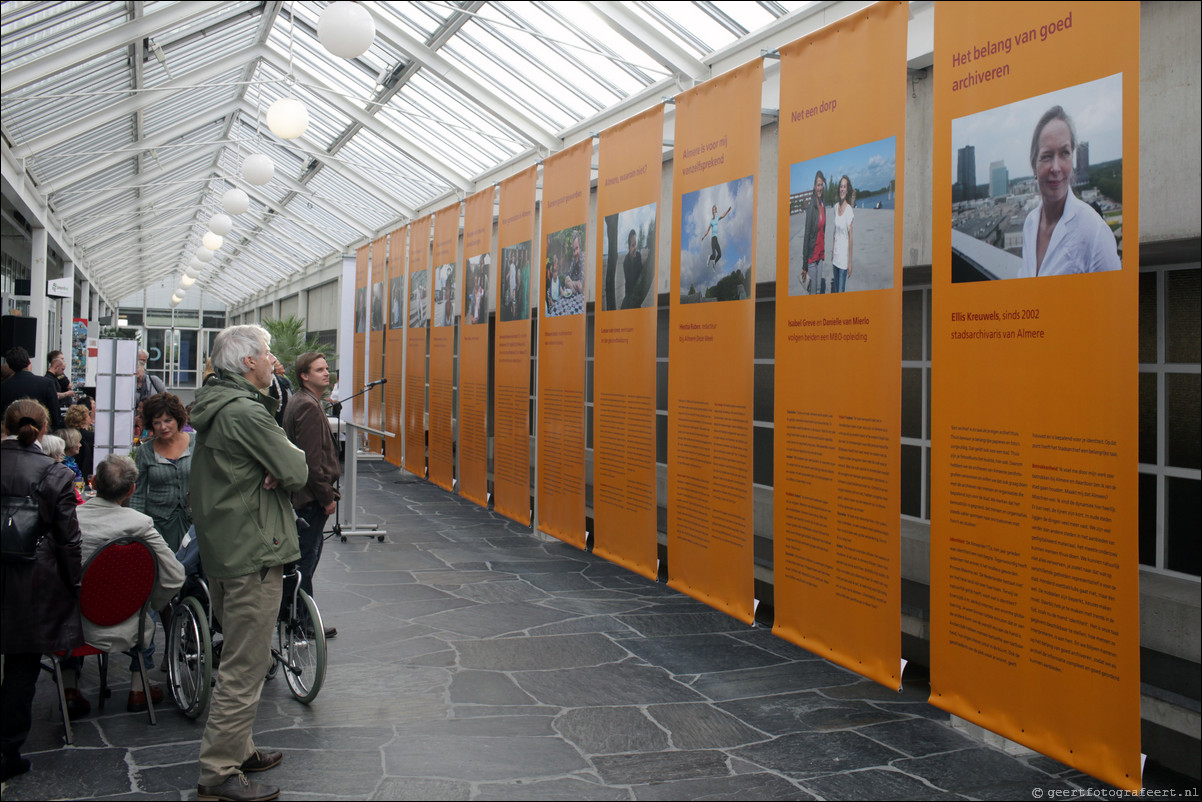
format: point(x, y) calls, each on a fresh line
point(174, 356)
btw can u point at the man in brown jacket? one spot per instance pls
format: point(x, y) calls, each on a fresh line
point(307, 427)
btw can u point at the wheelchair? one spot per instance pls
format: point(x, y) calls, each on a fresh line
point(194, 644)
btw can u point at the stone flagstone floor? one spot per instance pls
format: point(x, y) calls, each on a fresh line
point(477, 660)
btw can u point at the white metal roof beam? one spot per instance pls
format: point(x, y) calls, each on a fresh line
point(67, 57)
point(650, 40)
point(337, 99)
point(90, 201)
point(508, 114)
point(110, 113)
point(159, 140)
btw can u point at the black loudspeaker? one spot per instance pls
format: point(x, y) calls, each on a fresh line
point(18, 330)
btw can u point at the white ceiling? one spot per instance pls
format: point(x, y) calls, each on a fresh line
point(130, 120)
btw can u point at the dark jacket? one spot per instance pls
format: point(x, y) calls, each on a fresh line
point(26, 384)
point(811, 231)
point(240, 526)
point(308, 428)
point(40, 612)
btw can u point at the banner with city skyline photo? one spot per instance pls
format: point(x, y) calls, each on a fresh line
point(1034, 392)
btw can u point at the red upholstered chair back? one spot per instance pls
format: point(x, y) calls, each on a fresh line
point(117, 582)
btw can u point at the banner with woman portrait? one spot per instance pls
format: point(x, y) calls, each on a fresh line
point(630, 165)
point(473, 347)
point(1034, 486)
point(562, 300)
point(836, 525)
point(394, 345)
point(711, 340)
point(445, 299)
point(511, 378)
point(417, 345)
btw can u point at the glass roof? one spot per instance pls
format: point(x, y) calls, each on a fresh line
point(132, 119)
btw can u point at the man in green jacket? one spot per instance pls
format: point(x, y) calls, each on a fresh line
point(243, 472)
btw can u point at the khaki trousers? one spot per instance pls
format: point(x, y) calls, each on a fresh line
point(247, 607)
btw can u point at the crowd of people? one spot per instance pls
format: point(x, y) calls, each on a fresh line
point(247, 476)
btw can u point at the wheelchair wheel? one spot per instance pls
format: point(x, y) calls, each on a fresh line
point(303, 649)
point(190, 657)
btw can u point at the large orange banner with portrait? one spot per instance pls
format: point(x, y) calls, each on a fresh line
point(563, 283)
point(473, 347)
point(417, 333)
point(630, 164)
point(836, 525)
point(711, 340)
point(394, 346)
point(355, 378)
point(516, 287)
point(1034, 564)
point(445, 289)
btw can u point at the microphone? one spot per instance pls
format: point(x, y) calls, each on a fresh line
point(376, 382)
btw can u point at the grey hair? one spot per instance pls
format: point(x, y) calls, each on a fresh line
point(53, 447)
point(236, 343)
point(115, 475)
point(71, 437)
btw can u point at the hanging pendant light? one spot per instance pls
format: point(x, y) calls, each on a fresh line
point(346, 30)
point(186, 281)
point(220, 224)
point(288, 118)
point(258, 169)
point(204, 254)
point(212, 241)
point(234, 202)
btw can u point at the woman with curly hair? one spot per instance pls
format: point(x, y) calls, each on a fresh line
point(164, 464)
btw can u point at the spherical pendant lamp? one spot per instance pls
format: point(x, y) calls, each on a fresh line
point(288, 118)
point(212, 241)
point(220, 224)
point(186, 281)
point(204, 254)
point(346, 29)
point(235, 202)
point(258, 169)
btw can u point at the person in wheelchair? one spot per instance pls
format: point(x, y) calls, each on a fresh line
point(102, 520)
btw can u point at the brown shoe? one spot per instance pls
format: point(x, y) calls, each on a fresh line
point(331, 633)
point(77, 706)
point(237, 788)
point(261, 761)
point(137, 699)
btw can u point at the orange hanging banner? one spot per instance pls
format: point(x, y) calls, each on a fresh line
point(376, 356)
point(711, 339)
point(417, 346)
point(442, 346)
point(630, 165)
point(356, 376)
point(473, 347)
point(1034, 485)
point(511, 383)
point(562, 299)
point(836, 511)
point(394, 344)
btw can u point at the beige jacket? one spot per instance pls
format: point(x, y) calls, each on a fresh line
point(101, 522)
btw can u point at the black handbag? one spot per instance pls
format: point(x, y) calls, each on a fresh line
point(20, 524)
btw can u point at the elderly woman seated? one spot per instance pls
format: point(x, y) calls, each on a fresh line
point(101, 521)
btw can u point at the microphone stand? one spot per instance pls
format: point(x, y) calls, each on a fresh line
point(336, 408)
